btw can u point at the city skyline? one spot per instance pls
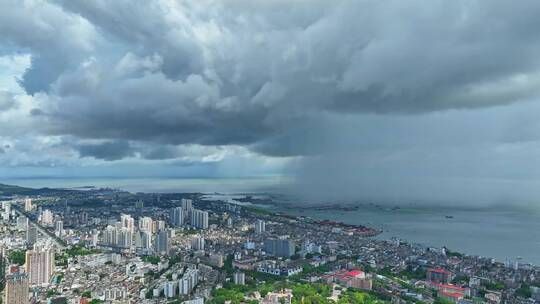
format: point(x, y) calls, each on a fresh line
point(115, 246)
point(269, 152)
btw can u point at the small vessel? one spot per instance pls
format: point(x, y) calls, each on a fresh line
point(449, 216)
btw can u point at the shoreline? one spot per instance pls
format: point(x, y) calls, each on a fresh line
point(468, 244)
point(473, 239)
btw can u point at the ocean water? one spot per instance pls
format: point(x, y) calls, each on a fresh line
point(501, 234)
point(508, 234)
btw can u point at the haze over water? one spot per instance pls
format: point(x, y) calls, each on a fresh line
point(164, 185)
point(501, 234)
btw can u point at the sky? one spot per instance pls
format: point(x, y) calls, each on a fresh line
point(429, 101)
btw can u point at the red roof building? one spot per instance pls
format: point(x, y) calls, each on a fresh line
point(439, 275)
point(356, 274)
point(452, 289)
point(451, 296)
point(353, 279)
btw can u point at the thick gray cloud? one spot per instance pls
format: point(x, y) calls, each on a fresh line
point(56, 40)
point(410, 89)
point(175, 72)
point(107, 151)
point(162, 152)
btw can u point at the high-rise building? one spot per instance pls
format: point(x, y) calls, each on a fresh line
point(28, 205)
point(127, 222)
point(7, 211)
point(40, 265)
point(158, 226)
point(110, 236)
point(143, 240)
point(84, 218)
point(146, 240)
point(31, 234)
point(187, 205)
point(118, 237)
point(177, 216)
point(189, 281)
point(239, 278)
point(146, 224)
point(162, 242)
point(138, 239)
point(59, 228)
point(279, 247)
point(94, 237)
point(170, 289)
point(47, 217)
point(260, 226)
point(199, 219)
point(125, 238)
point(16, 290)
point(197, 243)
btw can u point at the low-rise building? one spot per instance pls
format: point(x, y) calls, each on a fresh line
point(280, 269)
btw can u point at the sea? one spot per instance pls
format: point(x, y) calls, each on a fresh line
point(504, 235)
point(491, 232)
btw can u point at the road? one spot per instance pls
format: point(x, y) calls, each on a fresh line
point(61, 244)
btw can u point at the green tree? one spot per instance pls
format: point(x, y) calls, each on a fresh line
point(17, 257)
point(86, 294)
point(524, 291)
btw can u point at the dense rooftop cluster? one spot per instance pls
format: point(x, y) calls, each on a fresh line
point(105, 245)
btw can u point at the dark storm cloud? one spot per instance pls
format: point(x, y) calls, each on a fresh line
point(174, 72)
point(144, 27)
point(153, 108)
point(56, 40)
point(162, 152)
point(376, 97)
point(107, 151)
point(45, 68)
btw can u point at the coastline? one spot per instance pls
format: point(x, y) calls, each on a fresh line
point(471, 232)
